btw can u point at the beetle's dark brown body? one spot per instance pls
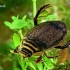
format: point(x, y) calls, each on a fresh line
point(43, 36)
point(48, 34)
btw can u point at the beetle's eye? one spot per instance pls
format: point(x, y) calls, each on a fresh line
point(26, 52)
point(29, 54)
point(23, 50)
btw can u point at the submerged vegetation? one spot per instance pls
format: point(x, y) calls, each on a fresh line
point(20, 27)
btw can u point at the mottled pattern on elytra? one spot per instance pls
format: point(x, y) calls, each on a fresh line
point(48, 34)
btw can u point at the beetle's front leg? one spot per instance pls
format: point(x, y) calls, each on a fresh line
point(65, 46)
point(39, 59)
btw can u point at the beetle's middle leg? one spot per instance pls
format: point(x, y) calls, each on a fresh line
point(65, 46)
point(50, 56)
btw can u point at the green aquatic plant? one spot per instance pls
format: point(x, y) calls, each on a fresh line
point(24, 25)
point(17, 26)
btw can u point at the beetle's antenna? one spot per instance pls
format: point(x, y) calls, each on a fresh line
point(40, 11)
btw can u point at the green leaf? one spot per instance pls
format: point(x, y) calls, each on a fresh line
point(31, 65)
point(29, 25)
point(44, 68)
point(21, 62)
point(47, 62)
point(14, 18)
point(32, 58)
point(18, 24)
point(24, 17)
point(42, 16)
point(40, 66)
point(7, 24)
point(51, 17)
point(54, 61)
point(16, 39)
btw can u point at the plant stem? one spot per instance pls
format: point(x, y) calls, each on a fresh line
point(21, 62)
point(20, 33)
point(20, 58)
point(34, 8)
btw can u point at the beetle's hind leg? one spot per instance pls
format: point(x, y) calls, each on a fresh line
point(64, 54)
point(65, 46)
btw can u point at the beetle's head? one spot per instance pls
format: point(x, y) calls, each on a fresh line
point(25, 52)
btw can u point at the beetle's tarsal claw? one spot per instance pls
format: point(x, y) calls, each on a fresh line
point(65, 46)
